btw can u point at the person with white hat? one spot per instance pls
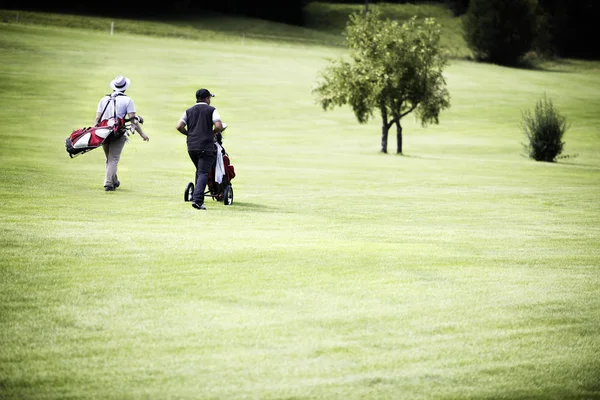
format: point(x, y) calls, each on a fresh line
point(119, 104)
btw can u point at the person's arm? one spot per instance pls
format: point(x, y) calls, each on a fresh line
point(132, 117)
point(181, 127)
point(99, 111)
point(137, 126)
point(218, 126)
point(182, 123)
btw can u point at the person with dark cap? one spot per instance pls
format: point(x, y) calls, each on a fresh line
point(200, 123)
point(120, 105)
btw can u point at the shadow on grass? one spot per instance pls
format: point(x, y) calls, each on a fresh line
point(534, 62)
point(577, 164)
point(552, 64)
point(418, 156)
point(251, 206)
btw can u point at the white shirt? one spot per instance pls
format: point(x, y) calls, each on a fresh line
point(124, 106)
point(215, 115)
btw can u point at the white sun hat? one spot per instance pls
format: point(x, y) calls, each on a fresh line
point(120, 83)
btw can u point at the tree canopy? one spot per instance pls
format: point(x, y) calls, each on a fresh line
point(394, 68)
point(500, 31)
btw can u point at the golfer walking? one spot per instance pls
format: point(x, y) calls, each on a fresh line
point(113, 148)
point(200, 123)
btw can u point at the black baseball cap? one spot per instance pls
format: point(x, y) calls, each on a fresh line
point(203, 93)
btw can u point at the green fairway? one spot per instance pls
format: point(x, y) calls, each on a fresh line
point(459, 270)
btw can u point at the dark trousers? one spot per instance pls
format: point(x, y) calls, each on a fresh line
point(203, 160)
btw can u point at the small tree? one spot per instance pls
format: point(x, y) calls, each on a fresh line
point(544, 129)
point(393, 68)
point(500, 31)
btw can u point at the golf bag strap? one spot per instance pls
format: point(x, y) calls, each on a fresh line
point(106, 106)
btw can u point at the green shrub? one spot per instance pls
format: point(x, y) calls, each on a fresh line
point(544, 129)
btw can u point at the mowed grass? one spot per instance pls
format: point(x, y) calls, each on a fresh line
point(460, 270)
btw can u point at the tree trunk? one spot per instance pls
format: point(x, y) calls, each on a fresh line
point(366, 6)
point(384, 130)
point(384, 138)
point(399, 136)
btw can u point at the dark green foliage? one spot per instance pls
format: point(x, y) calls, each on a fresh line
point(288, 11)
point(544, 129)
point(500, 31)
point(572, 27)
point(458, 7)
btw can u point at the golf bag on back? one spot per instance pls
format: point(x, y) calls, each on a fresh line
point(86, 139)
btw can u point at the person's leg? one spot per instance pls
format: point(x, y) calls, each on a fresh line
point(106, 148)
point(204, 164)
point(195, 157)
point(113, 150)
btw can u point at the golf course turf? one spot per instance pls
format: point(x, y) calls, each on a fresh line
point(460, 269)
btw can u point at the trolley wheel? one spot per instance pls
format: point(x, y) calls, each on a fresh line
point(228, 195)
point(189, 191)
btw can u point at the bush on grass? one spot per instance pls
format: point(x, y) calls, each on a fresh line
point(544, 128)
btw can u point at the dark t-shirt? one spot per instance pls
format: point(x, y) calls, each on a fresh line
point(200, 127)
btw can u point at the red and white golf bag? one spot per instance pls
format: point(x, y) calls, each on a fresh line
point(86, 139)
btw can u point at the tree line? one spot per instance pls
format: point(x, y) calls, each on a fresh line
point(288, 11)
point(565, 27)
